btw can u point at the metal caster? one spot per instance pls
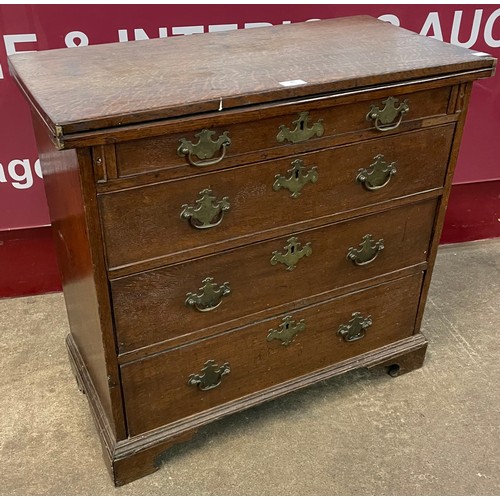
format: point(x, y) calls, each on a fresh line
point(393, 370)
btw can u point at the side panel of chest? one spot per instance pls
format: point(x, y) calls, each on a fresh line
point(72, 206)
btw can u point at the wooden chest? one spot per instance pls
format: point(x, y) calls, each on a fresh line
point(238, 215)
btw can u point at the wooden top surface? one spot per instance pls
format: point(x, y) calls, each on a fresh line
point(109, 85)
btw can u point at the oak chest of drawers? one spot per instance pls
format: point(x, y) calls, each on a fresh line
point(238, 215)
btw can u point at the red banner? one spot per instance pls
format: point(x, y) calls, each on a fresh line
point(42, 27)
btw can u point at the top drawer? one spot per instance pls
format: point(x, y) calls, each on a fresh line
point(234, 138)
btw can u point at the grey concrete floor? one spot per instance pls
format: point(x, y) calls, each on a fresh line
point(434, 431)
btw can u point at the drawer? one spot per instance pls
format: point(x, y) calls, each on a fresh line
point(156, 389)
point(256, 200)
point(255, 137)
point(151, 307)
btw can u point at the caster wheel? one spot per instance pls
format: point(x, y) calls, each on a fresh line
point(393, 370)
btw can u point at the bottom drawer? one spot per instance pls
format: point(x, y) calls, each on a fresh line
point(175, 384)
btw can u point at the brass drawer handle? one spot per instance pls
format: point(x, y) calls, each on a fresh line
point(211, 375)
point(210, 296)
point(207, 212)
point(205, 148)
point(294, 252)
point(298, 177)
point(287, 330)
point(301, 132)
point(384, 118)
point(368, 251)
point(356, 328)
point(379, 176)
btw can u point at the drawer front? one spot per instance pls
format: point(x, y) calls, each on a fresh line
point(231, 204)
point(205, 293)
point(167, 387)
point(261, 137)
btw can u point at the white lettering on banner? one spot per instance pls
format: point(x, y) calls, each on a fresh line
point(187, 30)
point(11, 40)
point(488, 30)
point(256, 25)
point(390, 18)
point(212, 28)
point(457, 20)
point(76, 39)
point(25, 179)
point(431, 27)
point(20, 173)
point(140, 34)
point(432, 22)
point(38, 169)
point(10, 45)
point(122, 36)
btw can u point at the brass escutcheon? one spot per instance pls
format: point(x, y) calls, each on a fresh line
point(384, 118)
point(211, 375)
point(368, 251)
point(356, 328)
point(298, 177)
point(210, 296)
point(301, 132)
point(294, 252)
point(207, 212)
point(287, 330)
point(205, 148)
point(379, 176)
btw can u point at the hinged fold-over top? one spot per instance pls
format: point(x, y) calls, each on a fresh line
point(98, 87)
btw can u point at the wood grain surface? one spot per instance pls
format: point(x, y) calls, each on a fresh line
point(83, 277)
point(144, 155)
point(152, 213)
point(115, 84)
point(128, 260)
point(156, 391)
point(150, 307)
